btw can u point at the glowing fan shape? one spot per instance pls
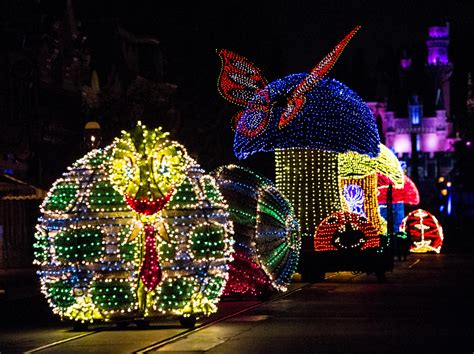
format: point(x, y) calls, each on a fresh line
point(266, 233)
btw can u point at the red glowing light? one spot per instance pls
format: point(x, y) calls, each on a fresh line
point(239, 79)
point(424, 230)
point(150, 272)
point(147, 206)
point(408, 194)
point(246, 277)
point(296, 100)
point(345, 231)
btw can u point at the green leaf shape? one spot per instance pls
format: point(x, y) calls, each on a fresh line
point(208, 241)
point(77, 245)
point(184, 196)
point(112, 295)
point(211, 191)
point(41, 246)
point(62, 197)
point(60, 294)
point(128, 249)
point(104, 196)
point(176, 293)
point(214, 288)
point(167, 250)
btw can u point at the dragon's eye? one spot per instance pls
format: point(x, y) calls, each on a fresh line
point(253, 121)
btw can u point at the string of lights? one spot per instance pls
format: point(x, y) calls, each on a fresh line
point(102, 260)
point(266, 233)
point(424, 230)
point(345, 231)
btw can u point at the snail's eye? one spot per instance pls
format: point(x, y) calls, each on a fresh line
point(164, 166)
point(129, 168)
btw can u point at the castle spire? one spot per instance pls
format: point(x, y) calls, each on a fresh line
point(470, 95)
point(438, 65)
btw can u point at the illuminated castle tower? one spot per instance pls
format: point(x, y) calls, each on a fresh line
point(423, 134)
point(438, 66)
point(470, 96)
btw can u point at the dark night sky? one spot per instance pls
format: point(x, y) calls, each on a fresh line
point(282, 38)
point(294, 33)
point(286, 36)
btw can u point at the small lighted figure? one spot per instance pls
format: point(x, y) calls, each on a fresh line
point(146, 168)
point(425, 231)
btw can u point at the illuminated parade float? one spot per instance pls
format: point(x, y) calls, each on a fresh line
point(424, 230)
point(267, 238)
point(326, 144)
point(132, 232)
point(137, 230)
point(407, 195)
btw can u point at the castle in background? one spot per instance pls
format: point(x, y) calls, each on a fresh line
point(418, 127)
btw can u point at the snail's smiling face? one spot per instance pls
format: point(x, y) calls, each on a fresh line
point(147, 167)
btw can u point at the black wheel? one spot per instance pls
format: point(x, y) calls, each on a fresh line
point(142, 324)
point(123, 324)
point(80, 326)
point(264, 296)
point(188, 321)
point(380, 276)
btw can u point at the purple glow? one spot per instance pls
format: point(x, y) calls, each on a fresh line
point(437, 55)
point(430, 143)
point(402, 144)
point(405, 63)
point(437, 44)
point(468, 143)
point(439, 32)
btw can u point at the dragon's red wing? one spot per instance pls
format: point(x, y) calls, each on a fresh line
point(239, 78)
point(296, 98)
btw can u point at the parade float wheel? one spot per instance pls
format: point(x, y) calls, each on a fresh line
point(142, 324)
point(122, 325)
point(380, 274)
point(264, 296)
point(80, 326)
point(188, 321)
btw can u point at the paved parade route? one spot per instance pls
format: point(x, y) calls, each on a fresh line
point(425, 306)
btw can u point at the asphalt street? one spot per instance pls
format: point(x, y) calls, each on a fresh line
point(425, 306)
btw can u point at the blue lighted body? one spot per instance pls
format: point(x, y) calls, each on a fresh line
point(333, 118)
